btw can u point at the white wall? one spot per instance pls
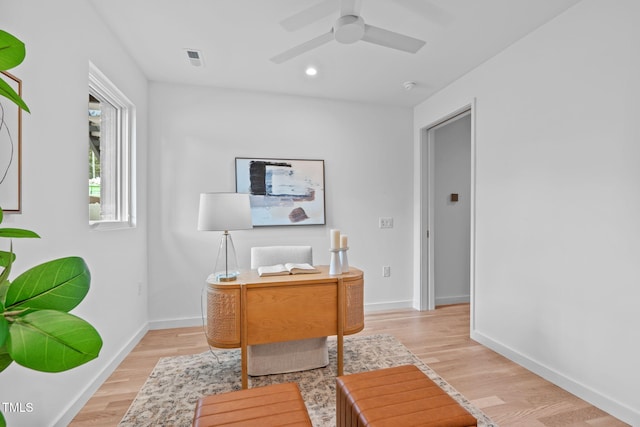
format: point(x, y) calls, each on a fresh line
point(196, 134)
point(557, 230)
point(61, 38)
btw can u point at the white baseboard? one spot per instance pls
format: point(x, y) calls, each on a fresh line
point(77, 404)
point(383, 306)
point(461, 299)
point(185, 322)
point(619, 410)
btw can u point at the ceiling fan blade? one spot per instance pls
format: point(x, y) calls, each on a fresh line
point(349, 7)
point(309, 15)
point(390, 39)
point(302, 48)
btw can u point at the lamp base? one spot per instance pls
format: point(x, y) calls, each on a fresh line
point(226, 268)
point(228, 277)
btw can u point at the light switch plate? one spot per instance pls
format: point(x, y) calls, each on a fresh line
point(386, 222)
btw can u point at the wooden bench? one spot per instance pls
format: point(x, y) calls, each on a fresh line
point(400, 396)
point(272, 405)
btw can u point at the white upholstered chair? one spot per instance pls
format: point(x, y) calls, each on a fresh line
point(289, 356)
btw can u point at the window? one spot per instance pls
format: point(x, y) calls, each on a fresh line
point(111, 124)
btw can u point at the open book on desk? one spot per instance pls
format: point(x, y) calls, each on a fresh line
point(284, 269)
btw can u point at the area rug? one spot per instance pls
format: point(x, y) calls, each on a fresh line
point(170, 393)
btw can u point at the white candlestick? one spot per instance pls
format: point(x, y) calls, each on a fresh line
point(344, 260)
point(343, 241)
point(335, 266)
point(335, 238)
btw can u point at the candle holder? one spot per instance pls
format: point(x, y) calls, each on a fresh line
point(335, 266)
point(344, 260)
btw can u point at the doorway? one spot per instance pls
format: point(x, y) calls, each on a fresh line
point(447, 211)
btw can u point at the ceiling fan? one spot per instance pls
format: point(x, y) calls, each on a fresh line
point(348, 28)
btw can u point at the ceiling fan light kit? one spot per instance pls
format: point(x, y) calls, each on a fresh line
point(350, 28)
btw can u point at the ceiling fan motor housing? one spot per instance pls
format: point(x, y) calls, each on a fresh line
point(348, 29)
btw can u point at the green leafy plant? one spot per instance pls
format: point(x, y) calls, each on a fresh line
point(36, 329)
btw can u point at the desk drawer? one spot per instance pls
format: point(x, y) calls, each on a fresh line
point(288, 313)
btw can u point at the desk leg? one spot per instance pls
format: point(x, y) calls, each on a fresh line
point(340, 356)
point(341, 306)
point(245, 378)
point(243, 336)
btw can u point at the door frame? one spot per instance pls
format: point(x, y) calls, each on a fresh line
point(426, 185)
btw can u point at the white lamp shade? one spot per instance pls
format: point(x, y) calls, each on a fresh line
point(224, 211)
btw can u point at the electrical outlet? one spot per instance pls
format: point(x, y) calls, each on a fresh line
point(386, 271)
point(386, 222)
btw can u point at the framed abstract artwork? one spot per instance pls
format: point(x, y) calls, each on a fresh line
point(10, 148)
point(282, 191)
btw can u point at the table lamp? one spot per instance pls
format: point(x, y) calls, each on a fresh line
point(224, 212)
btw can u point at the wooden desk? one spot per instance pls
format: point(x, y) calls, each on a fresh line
point(259, 310)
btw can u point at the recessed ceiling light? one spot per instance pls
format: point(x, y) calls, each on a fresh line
point(311, 71)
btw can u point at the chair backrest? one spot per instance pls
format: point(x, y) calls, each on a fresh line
point(271, 255)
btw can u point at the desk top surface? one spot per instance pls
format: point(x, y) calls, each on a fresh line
point(251, 278)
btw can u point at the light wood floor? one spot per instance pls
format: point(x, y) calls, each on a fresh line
point(509, 394)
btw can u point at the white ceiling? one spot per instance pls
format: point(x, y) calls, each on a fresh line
point(238, 37)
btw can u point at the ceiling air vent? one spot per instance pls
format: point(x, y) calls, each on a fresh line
point(195, 57)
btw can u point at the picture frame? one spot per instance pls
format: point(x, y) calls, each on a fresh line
point(11, 149)
point(283, 192)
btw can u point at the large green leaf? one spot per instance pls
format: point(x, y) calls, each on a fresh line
point(8, 92)
point(12, 51)
point(14, 233)
point(60, 284)
point(52, 341)
point(3, 423)
point(5, 359)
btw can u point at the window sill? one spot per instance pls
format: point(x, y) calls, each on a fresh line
point(111, 225)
